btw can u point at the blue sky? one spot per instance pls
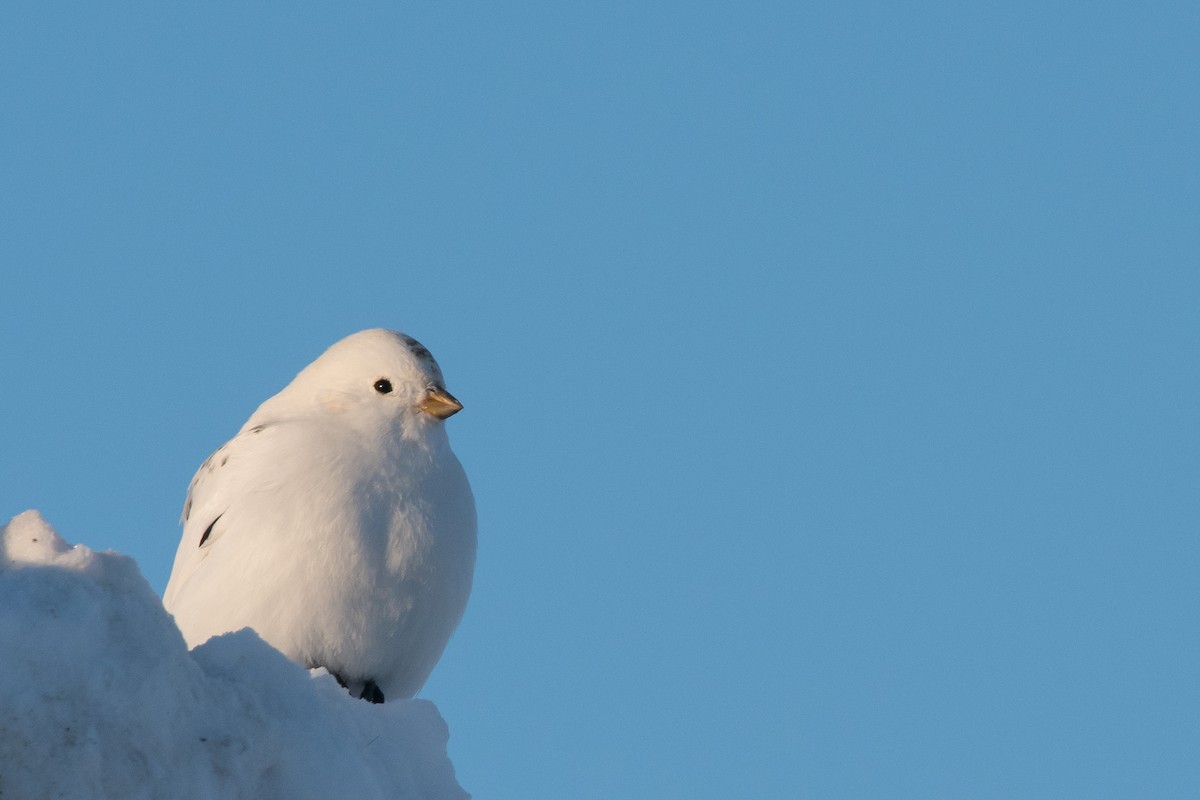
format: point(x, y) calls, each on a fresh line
point(830, 370)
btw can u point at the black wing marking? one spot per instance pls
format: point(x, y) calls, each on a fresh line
point(208, 530)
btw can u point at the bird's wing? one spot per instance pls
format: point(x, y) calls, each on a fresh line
point(233, 471)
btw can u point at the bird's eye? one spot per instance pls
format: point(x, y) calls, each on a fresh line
point(383, 386)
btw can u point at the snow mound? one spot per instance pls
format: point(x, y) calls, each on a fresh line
point(100, 698)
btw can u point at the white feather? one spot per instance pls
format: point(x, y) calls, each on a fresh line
point(340, 526)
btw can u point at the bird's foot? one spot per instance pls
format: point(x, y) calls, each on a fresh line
point(371, 692)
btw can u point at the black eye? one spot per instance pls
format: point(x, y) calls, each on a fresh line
point(383, 386)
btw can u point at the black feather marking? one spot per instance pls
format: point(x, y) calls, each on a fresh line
point(417, 349)
point(208, 530)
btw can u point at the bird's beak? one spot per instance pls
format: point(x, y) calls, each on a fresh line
point(440, 403)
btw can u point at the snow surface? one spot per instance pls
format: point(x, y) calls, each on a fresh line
point(100, 698)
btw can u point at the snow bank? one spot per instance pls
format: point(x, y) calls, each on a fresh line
point(100, 698)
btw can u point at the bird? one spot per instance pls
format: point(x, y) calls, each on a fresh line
point(337, 524)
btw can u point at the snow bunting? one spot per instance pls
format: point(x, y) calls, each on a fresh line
point(337, 523)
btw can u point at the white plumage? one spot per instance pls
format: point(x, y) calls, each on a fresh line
point(337, 523)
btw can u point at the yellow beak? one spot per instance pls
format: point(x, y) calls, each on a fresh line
point(440, 403)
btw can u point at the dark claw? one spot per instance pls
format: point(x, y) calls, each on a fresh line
point(371, 692)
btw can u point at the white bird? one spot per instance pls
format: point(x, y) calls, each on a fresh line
point(337, 523)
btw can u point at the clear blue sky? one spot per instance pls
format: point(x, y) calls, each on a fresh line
point(830, 370)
